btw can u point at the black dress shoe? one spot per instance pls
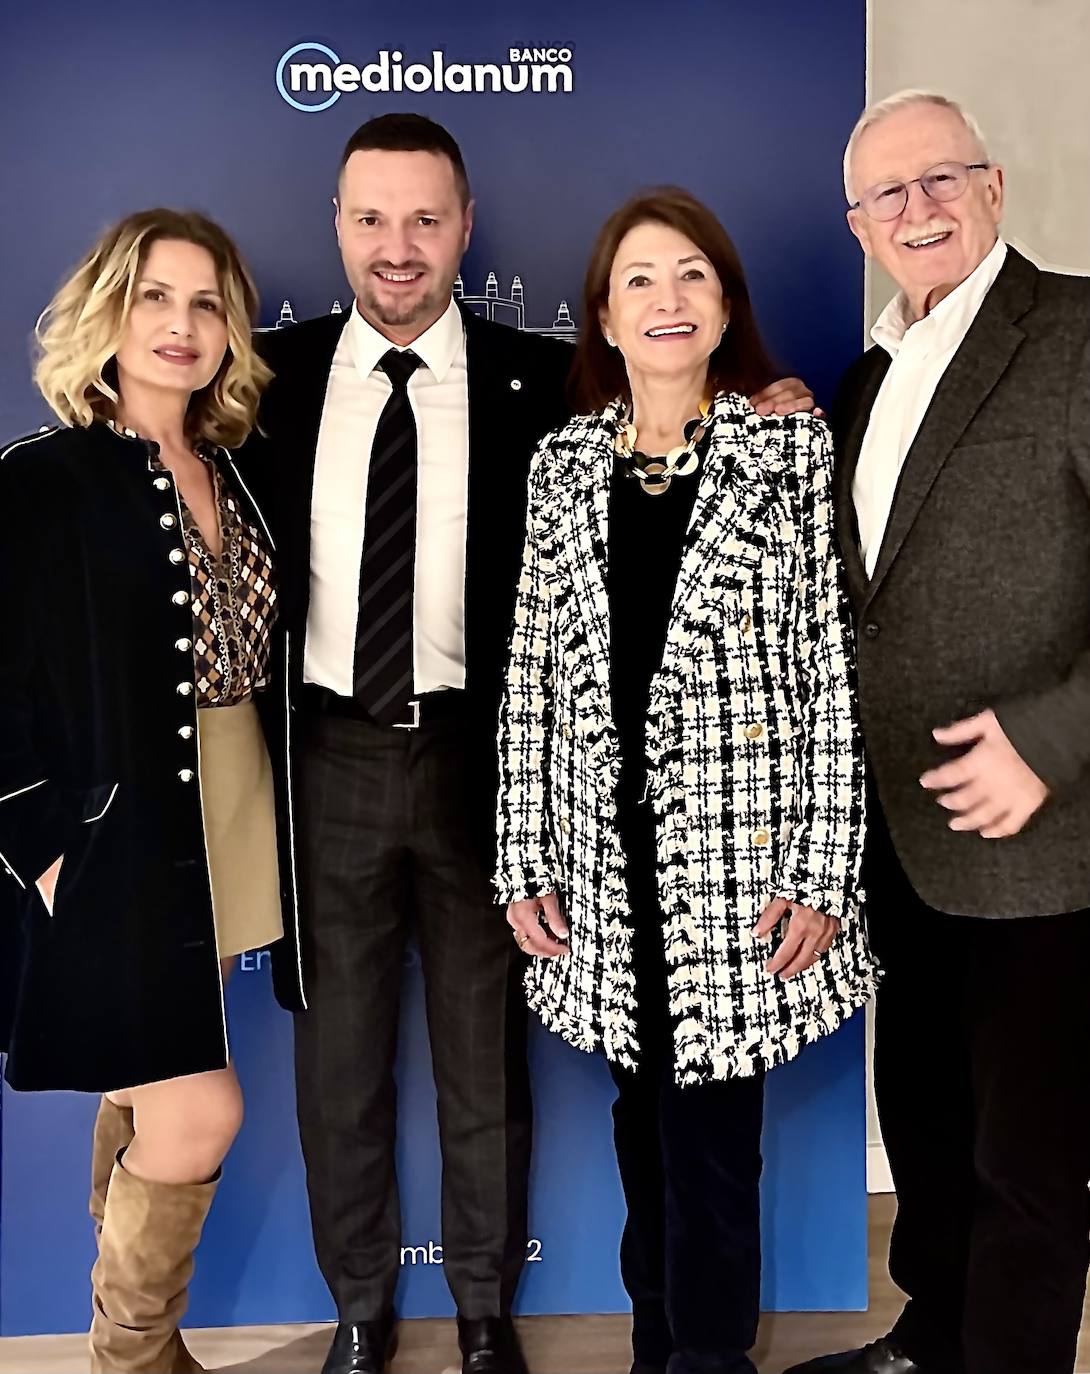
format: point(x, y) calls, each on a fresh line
point(362, 1347)
point(490, 1346)
point(880, 1357)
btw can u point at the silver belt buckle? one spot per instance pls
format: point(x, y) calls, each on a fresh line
point(414, 724)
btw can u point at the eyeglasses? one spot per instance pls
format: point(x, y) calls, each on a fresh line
point(945, 182)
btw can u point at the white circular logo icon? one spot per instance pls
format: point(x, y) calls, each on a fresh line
point(304, 76)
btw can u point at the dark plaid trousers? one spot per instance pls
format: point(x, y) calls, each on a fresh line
point(388, 848)
point(982, 1042)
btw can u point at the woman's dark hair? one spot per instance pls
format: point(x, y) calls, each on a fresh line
point(409, 133)
point(739, 361)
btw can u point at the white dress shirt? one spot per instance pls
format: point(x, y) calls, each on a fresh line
point(357, 392)
point(921, 353)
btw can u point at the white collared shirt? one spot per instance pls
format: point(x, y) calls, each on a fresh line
point(921, 353)
point(354, 400)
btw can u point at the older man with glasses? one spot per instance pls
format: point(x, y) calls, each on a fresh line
point(964, 519)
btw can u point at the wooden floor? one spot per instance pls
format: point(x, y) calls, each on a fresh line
point(554, 1345)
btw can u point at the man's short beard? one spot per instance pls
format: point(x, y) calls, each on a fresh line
point(428, 306)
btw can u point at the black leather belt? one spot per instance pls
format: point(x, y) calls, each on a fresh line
point(446, 704)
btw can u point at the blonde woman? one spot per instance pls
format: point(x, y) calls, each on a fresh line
point(137, 813)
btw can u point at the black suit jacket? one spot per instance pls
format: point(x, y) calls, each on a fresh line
point(516, 396)
point(981, 593)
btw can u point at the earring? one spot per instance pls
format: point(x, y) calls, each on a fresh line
point(723, 330)
point(610, 341)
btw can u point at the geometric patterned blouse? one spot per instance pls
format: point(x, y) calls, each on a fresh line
point(234, 602)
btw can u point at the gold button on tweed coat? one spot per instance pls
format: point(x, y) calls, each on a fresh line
point(755, 764)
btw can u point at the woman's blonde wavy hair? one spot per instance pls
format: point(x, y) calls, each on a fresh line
point(79, 332)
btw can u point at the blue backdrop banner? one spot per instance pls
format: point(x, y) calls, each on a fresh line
point(562, 111)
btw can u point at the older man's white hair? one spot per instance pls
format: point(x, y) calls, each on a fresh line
point(904, 100)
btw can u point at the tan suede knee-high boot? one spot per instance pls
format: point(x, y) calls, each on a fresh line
point(113, 1133)
point(140, 1280)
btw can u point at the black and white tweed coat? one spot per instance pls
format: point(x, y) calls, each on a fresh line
point(754, 756)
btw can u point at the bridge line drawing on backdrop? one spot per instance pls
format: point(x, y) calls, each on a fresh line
point(488, 304)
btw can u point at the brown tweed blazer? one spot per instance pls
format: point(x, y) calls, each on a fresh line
point(981, 593)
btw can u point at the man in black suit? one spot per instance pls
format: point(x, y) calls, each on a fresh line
point(393, 472)
point(964, 519)
point(393, 476)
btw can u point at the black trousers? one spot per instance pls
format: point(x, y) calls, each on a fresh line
point(980, 1072)
point(690, 1165)
point(389, 847)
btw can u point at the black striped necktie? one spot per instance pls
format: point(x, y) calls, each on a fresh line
point(384, 632)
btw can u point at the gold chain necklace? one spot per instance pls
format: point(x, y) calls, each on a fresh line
point(655, 475)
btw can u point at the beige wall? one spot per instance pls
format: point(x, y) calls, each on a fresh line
point(1023, 68)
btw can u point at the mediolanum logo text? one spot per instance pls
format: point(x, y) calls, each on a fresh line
point(311, 77)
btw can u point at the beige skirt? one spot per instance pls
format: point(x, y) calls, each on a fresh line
point(239, 828)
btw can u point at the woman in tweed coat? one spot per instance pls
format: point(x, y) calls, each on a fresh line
point(681, 809)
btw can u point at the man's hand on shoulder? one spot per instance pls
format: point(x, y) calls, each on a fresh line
point(786, 397)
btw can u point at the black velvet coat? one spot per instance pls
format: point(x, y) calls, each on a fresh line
point(516, 395)
point(120, 985)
